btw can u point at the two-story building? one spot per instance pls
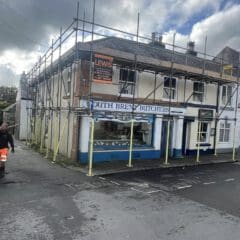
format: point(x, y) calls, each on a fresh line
point(174, 100)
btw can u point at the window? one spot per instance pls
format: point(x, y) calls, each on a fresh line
point(198, 91)
point(116, 135)
point(226, 95)
point(69, 78)
point(126, 81)
point(203, 132)
point(224, 132)
point(169, 88)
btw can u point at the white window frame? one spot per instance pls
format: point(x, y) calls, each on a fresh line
point(168, 88)
point(69, 78)
point(207, 132)
point(224, 128)
point(198, 92)
point(128, 83)
point(227, 97)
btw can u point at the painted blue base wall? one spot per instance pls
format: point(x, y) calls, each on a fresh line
point(119, 155)
point(202, 152)
point(177, 153)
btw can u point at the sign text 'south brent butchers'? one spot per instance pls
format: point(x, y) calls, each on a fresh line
point(128, 107)
point(102, 69)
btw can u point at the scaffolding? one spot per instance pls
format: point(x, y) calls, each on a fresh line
point(56, 106)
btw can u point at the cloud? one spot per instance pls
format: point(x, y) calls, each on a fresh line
point(7, 76)
point(221, 30)
point(28, 26)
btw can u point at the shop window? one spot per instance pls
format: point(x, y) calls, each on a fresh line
point(198, 91)
point(227, 95)
point(126, 81)
point(116, 135)
point(169, 88)
point(224, 132)
point(203, 132)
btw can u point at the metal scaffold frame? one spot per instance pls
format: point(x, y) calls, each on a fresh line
point(48, 98)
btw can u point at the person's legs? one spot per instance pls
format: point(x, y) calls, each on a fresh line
point(3, 159)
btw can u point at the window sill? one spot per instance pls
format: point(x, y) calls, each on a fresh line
point(125, 95)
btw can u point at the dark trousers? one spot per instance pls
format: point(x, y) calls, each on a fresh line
point(2, 169)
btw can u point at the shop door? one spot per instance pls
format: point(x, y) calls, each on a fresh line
point(164, 138)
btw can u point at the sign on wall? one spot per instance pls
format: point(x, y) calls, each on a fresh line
point(129, 107)
point(102, 68)
point(205, 114)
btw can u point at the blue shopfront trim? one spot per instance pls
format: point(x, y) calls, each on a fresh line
point(106, 156)
point(177, 153)
point(202, 152)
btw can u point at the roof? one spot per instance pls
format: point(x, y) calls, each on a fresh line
point(156, 52)
point(229, 56)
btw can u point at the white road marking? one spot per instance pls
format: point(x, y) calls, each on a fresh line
point(116, 183)
point(70, 186)
point(155, 191)
point(141, 185)
point(102, 178)
point(186, 186)
point(208, 183)
point(137, 190)
point(229, 179)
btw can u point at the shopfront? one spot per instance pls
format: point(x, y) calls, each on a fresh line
point(112, 127)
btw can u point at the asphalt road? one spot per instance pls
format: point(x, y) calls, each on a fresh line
point(41, 200)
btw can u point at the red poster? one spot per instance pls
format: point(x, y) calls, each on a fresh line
point(102, 69)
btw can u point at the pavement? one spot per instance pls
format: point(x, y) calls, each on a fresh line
point(42, 200)
point(101, 169)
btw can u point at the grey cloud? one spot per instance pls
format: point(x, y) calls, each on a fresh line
point(27, 24)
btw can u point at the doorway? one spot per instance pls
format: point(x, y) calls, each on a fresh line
point(164, 137)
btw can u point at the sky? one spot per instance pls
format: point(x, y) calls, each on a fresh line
point(27, 27)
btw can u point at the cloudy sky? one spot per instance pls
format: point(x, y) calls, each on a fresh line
point(27, 27)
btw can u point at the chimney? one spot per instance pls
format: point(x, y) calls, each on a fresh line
point(153, 37)
point(157, 40)
point(190, 48)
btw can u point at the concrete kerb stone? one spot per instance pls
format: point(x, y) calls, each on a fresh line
point(106, 171)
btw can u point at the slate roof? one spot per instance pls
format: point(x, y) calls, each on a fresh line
point(153, 51)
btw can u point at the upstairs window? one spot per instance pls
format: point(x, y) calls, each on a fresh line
point(169, 88)
point(198, 91)
point(227, 95)
point(69, 79)
point(127, 81)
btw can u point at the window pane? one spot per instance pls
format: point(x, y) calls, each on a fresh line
point(229, 93)
point(166, 93)
point(131, 76)
point(221, 134)
point(201, 87)
point(166, 82)
point(227, 135)
point(115, 135)
point(227, 125)
point(203, 137)
point(195, 86)
point(204, 127)
point(198, 97)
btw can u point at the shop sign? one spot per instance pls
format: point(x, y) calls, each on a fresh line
point(205, 114)
point(129, 107)
point(102, 69)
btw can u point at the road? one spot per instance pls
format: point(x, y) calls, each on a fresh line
point(42, 200)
